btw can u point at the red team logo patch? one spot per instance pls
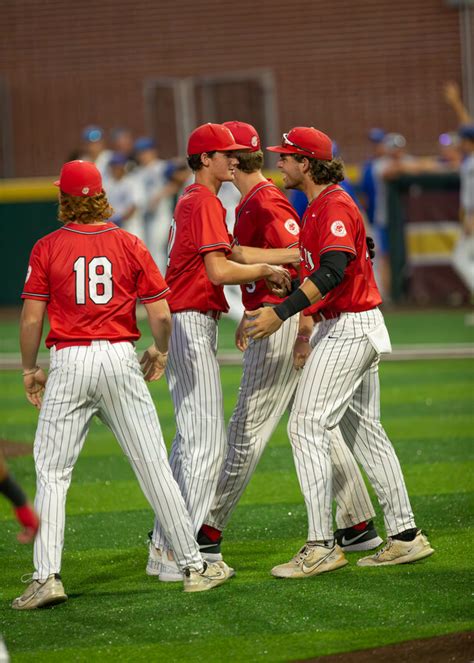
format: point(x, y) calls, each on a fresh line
point(338, 229)
point(292, 226)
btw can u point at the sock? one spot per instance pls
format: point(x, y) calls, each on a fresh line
point(212, 533)
point(12, 491)
point(360, 526)
point(26, 516)
point(407, 535)
point(325, 544)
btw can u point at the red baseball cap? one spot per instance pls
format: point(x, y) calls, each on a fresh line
point(246, 134)
point(212, 137)
point(80, 178)
point(306, 141)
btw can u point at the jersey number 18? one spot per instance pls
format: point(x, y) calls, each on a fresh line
point(99, 283)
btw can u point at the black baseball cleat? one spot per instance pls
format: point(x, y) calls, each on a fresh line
point(211, 550)
point(352, 540)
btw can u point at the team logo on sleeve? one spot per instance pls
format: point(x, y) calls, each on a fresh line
point(338, 229)
point(28, 273)
point(292, 226)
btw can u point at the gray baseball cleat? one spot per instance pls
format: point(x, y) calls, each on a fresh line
point(399, 552)
point(40, 594)
point(211, 576)
point(311, 560)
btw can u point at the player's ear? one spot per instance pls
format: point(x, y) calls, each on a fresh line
point(205, 159)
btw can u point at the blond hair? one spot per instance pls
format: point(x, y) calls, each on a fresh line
point(84, 209)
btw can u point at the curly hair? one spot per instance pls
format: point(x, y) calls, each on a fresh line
point(84, 209)
point(324, 172)
point(250, 162)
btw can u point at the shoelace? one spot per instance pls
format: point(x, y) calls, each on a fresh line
point(386, 547)
point(27, 578)
point(302, 554)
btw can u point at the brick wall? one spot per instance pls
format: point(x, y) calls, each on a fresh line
point(343, 66)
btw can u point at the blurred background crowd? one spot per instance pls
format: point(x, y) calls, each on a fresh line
point(143, 188)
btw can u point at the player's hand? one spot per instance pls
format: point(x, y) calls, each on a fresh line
point(241, 338)
point(153, 363)
point(301, 351)
point(278, 280)
point(261, 323)
point(370, 247)
point(34, 384)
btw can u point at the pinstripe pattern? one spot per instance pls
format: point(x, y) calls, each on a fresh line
point(199, 445)
point(102, 379)
point(268, 383)
point(339, 386)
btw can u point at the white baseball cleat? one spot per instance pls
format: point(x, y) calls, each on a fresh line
point(311, 560)
point(40, 594)
point(154, 560)
point(211, 576)
point(399, 552)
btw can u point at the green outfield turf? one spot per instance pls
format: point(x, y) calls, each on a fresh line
point(117, 612)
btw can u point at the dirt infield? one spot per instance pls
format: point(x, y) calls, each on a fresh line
point(13, 449)
point(452, 648)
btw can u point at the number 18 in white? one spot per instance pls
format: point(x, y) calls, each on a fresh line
point(100, 286)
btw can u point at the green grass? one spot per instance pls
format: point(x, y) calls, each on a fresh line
point(116, 611)
point(405, 327)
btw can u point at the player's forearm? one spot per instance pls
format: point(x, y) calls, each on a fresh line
point(159, 319)
point(305, 325)
point(249, 255)
point(31, 331)
point(227, 272)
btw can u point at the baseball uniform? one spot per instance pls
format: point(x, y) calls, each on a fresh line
point(265, 219)
point(340, 384)
point(193, 373)
point(91, 276)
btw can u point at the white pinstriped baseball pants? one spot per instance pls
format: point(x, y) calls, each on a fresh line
point(340, 386)
point(103, 379)
point(199, 446)
point(268, 383)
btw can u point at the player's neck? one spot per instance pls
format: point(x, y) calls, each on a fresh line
point(208, 180)
point(245, 182)
point(312, 190)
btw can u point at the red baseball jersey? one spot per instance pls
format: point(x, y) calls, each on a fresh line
point(91, 276)
point(332, 222)
point(198, 227)
point(265, 219)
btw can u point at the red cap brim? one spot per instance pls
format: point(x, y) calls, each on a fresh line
point(236, 146)
point(288, 149)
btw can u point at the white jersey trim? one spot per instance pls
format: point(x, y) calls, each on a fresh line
point(96, 232)
point(159, 294)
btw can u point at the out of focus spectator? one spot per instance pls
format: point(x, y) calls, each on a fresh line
point(463, 258)
point(121, 140)
point(367, 180)
point(94, 148)
point(394, 162)
point(123, 195)
point(158, 198)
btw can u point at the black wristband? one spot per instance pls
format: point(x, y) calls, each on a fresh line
point(12, 491)
point(295, 303)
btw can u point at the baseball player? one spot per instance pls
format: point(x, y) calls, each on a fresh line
point(339, 384)
point(197, 270)
point(265, 219)
point(24, 512)
point(88, 275)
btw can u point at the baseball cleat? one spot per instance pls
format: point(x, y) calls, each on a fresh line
point(211, 576)
point(169, 571)
point(154, 560)
point(210, 550)
point(311, 560)
point(399, 552)
point(41, 594)
point(352, 540)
